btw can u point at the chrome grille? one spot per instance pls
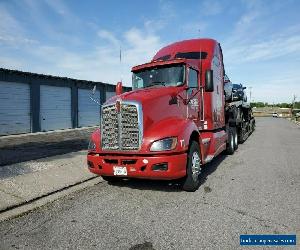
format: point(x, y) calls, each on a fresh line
point(110, 128)
point(129, 127)
point(121, 130)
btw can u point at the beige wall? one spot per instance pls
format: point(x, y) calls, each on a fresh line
point(268, 111)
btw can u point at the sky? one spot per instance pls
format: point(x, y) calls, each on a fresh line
point(82, 39)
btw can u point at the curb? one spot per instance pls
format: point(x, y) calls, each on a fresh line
point(46, 137)
point(24, 208)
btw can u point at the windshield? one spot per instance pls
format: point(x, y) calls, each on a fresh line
point(158, 76)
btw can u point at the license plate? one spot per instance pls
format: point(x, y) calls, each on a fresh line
point(120, 170)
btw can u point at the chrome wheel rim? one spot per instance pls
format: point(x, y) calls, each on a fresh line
point(196, 166)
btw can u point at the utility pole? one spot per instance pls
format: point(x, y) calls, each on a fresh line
point(250, 93)
point(294, 100)
point(293, 104)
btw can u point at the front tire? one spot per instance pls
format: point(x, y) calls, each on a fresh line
point(191, 182)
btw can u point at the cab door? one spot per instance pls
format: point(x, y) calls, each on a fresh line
point(193, 96)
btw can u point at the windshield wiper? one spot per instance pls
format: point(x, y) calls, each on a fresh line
point(155, 83)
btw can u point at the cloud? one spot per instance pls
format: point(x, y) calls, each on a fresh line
point(167, 10)
point(247, 20)
point(11, 63)
point(194, 29)
point(11, 32)
point(262, 56)
point(7, 21)
point(110, 37)
point(80, 49)
point(165, 16)
point(263, 51)
point(59, 7)
point(248, 26)
point(100, 63)
point(277, 90)
point(210, 8)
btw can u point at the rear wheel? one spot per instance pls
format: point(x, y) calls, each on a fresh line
point(230, 142)
point(235, 138)
point(242, 130)
point(191, 181)
point(252, 126)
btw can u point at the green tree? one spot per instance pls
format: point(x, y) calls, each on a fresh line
point(297, 105)
point(257, 104)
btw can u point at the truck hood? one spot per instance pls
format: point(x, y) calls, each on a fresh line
point(158, 103)
point(145, 95)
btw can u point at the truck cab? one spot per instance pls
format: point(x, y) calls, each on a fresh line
point(172, 122)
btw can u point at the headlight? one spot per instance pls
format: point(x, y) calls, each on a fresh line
point(164, 144)
point(92, 146)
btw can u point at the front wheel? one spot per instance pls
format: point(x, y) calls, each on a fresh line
point(191, 181)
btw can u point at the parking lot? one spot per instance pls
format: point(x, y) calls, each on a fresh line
point(254, 191)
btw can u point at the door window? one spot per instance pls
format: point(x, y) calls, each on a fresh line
point(193, 80)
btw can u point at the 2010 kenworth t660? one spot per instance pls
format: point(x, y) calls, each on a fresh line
point(177, 118)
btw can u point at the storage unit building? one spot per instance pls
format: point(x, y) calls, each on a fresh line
point(55, 109)
point(88, 110)
point(14, 108)
point(32, 102)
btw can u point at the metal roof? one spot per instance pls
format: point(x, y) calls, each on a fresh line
point(18, 72)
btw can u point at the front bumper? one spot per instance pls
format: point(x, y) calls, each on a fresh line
point(139, 166)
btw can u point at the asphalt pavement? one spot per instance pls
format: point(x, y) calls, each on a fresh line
point(254, 191)
point(28, 181)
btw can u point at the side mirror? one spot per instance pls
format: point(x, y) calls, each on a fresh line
point(119, 88)
point(209, 81)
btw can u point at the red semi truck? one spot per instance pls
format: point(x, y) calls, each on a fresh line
point(174, 121)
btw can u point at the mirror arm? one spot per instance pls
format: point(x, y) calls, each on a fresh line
point(94, 89)
point(186, 101)
point(94, 100)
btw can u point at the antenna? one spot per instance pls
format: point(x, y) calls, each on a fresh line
point(120, 63)
point(294, 100)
